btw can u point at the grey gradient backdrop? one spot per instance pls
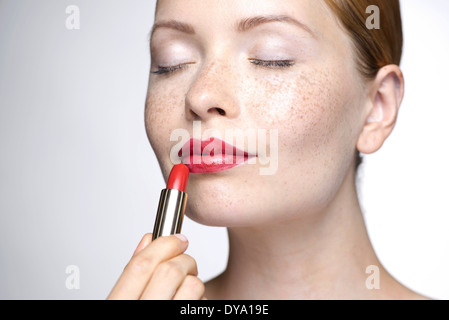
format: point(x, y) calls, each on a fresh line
point(79, 183)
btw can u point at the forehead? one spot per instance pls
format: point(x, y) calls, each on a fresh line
point(217, 18)
point(220, 14)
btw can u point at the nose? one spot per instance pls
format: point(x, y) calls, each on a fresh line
point(212, 94)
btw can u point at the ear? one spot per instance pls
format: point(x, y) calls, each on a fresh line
point(384, 98)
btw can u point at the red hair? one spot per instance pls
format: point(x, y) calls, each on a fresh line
point(374, 48)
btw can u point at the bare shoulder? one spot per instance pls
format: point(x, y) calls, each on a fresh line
point(400, 292)
point(216, 288)
point(415, 296)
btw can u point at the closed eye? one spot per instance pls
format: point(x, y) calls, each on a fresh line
point(272, 63)
point(170, 69)
point(263, 63)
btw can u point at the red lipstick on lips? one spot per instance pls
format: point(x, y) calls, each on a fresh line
point(213, 155)
point(172, 203)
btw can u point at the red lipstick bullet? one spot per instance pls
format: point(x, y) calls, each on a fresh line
point(178, 178)
point(172, 203)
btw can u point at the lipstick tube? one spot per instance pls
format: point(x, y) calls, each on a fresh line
point(172, 203)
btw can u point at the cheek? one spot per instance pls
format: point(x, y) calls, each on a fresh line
point(312, 113)
point(161, 109)
point(309, 111)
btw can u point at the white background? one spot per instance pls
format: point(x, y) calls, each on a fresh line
point(79, 183)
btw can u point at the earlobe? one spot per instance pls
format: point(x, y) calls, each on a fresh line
point(383, 104)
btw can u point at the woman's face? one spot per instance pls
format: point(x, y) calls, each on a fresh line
point(310, 94)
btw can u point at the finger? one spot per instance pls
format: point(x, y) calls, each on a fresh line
point(138, 271)
point(146, 240)
point(192, 288)
point(168, 276)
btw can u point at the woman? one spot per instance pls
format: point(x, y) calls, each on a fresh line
point(324, 75)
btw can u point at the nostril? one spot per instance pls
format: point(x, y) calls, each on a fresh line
point(221, 111)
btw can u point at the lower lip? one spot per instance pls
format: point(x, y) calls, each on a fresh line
point(208, 164)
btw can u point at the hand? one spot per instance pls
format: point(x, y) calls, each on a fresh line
point(159, 270)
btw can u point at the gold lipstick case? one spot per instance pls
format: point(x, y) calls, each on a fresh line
point(170, 213)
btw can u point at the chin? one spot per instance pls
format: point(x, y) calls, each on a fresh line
point(222, 203)
point(237, 209)
point(212, 207)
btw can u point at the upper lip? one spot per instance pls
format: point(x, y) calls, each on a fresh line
point(213, 145)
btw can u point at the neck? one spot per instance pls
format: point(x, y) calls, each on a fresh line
point(324, 256)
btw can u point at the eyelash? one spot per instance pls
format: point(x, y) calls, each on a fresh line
point(164, 70)
point(273, 63)
point(263, 63)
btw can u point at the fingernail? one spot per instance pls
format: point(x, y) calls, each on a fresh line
point(181, 237)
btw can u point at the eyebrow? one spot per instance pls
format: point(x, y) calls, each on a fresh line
point(243, 25)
